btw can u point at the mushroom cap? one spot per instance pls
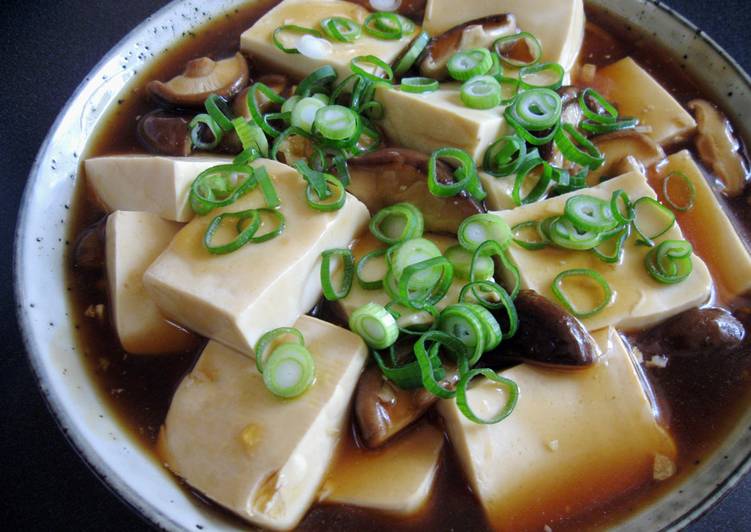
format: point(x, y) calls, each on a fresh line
point(203, 77)
point(393, 175)
point(619, 145)
point(477, 33)
point(165, 134)
point(718, 147)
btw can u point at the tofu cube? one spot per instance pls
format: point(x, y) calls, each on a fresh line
point(148, 183)
point(359, 297)
point(709, 227)
point(396, 478)
point(258, 43)
point(575, 439)
point(237, 297)
point(133, 241)
point(558, 24)
point(257, 455)
point(638, 300)
point(638, 94)
point(429, 121)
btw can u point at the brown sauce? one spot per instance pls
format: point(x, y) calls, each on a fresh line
point(702, 399)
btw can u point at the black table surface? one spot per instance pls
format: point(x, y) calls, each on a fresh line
point(46, 48)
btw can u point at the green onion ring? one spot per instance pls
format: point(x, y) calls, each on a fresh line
point(413, 53)
point(240, 240)
point(407, 376)
point(510, 41)
point(569, 139)
point(386, 26)
point(429, 310)
point(419, 85)
point(526, 244)
point(466, 64)
point(277, 370)
point(329, 292)
point(540, 189)
point(479, 228)
point(589, 213)
point(292, 28)
point(280, 225)
point(426, 360)
point(564, 234)
point(220, 186)
point(670, 262)
point(532, 70)
point(667, 213)
point(218, 109)
point(582, 272)
point(512, 389)
point(339, 195)
point(362, 263)
point(195, 132)
point(375, 325)
point(255, 112)
point(481, 92)
point(341, 29)
point(460, 322)
point(265, 341)
point(620, 195)
point(620, 239)
point(611, 113)
point(689, 185)
point(316, 81)
point(359, 63)
point(425, 297)
point(505, 156)
point(412, 225)
point(467, 172)
point(596, 128)
point(267, 187)
point(461, 260)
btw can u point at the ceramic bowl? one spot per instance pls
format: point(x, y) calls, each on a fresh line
point(44, 312)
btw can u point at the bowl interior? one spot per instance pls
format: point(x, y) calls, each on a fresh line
point(49, 326)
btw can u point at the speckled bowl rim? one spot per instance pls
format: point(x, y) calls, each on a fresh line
point(98, 464)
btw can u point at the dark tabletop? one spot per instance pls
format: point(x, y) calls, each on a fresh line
point(46, 48)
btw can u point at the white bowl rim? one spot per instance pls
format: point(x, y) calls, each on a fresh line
point(99, 466)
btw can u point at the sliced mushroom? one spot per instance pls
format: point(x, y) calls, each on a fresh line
point(619, 145)
point(277, 82)
point(478, 33)
point(699, 331)
point(201, 78)
point(88, 250)
point(405, 7)
point(548, 335)
point(383, 409)
point(394, 175)
point(718, 147)
point(165, 134)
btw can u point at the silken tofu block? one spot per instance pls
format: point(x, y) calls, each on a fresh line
point(709, 228)
point(237, 297)
point(500, 191)
point(638, 300)
point(359, 297)
point(260, 456)
point(133, 241)
point(257, 41)
point(396, 478)
point(575, 439)
point(148, 183)
point(638, 94)
point(429, 121)
point(558, 24)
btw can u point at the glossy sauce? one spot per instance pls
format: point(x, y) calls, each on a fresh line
point(701, 399)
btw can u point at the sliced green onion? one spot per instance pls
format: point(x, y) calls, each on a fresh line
point(589, 213)
point(327, 283)
point(481, 92)
point(577, 148)
point(219, 110)
point(251, 136)
point(688, 205)
point(247, 156)
point(338, 195)
point(362, 265)
point(491, 327)
point(242, 238)
point(197, 124)
point(387, 26)
point(505, 156)
point(361, 63)
point(496, 70)
point(251, 101)
point(304, 113)
point(563, 233)
point(512, 392)
point(411, 252)
point(670, 262)
point(414, 322)
point(316, 81)
point(413, 290)
point(500, 299)
point(467, 172)
point(509, 89)
point(596, 128)
point(289, 371)
point(557, 288)
point(267, 187)
point(338, 124)
point(480, 228)
point(508, 49)
point(291, 28)
point(553, 72)
point(407, 376)
point(408, 27)
point(426, 360)
point(279, 224)
point(621, 196)
point(395, 224)
point(463, 324)
point(341, 29)
point(461, 260)
point(540, 189)
point(610, 112)
point(316, 180)
point(535, 111)
point(490, 248)
point(290, 104)
point(529, 245)
point(419, 85)
point(467, 64)
point(375, 325)
point(642, 206)
point(410, 57)
point(219, 186)
point(265, 341)
point(618, 241)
